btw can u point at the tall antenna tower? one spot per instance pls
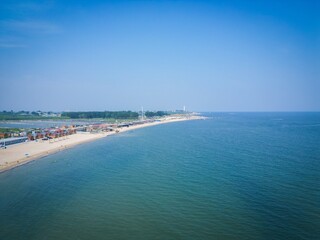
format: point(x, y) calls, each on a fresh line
point(142, 116)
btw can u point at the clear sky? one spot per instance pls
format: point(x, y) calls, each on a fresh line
point(121, 55)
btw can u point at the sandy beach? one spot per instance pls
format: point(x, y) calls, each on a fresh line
point(19, 154)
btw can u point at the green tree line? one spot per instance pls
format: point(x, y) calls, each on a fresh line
point(105, 114)
point(155, 114)
point(6, 115)
point(25, 115)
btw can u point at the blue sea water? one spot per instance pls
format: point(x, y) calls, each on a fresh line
point(235, 176)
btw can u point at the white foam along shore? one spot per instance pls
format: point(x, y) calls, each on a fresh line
point(22, 153)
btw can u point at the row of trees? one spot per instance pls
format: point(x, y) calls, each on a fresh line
point(112, 114)
point(105, 114)
point(155, 114)
point(19, 116)
point(24, 115)
point(20, 113)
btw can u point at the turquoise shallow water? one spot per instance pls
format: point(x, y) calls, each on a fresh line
point(236, 176)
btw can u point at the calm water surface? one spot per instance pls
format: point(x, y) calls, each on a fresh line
point(236, 176)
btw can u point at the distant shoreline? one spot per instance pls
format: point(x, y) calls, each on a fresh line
point(22, 153)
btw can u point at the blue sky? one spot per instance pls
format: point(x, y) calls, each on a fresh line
point(121, 55)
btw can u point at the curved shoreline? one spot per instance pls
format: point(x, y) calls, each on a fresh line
point(22, 153)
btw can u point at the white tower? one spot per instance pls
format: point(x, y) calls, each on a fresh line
point(184, 108)
point(142, 117)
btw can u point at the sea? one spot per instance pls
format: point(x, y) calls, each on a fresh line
point(232, 176)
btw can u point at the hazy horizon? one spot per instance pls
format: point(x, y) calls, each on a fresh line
point(235, 56)
point(153, 110)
